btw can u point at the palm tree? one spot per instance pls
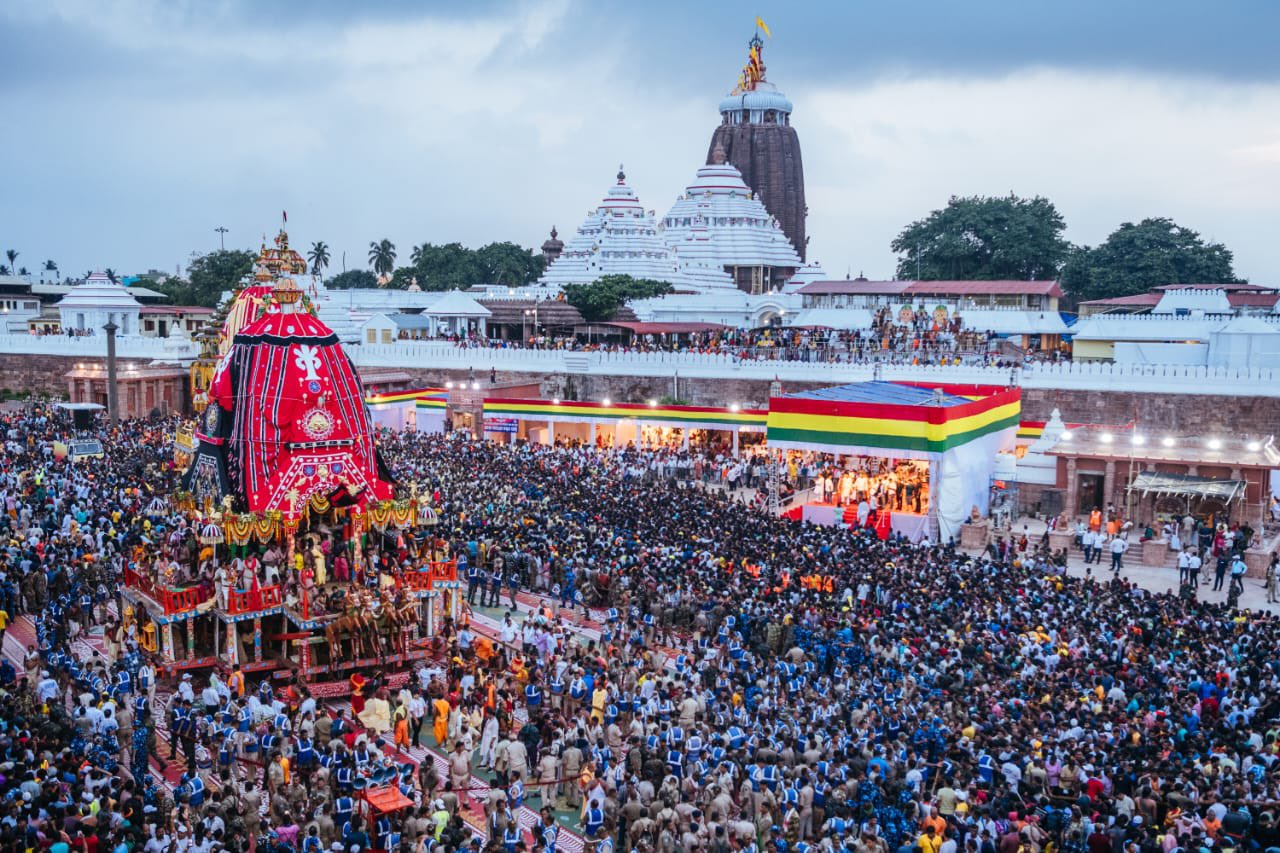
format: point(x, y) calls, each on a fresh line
point(319, 257)
point(23, 271)
point(50, 266)
point(382, 256)
point(111, 274)
point(4, 270)
point(12, 254)
point(418, 253)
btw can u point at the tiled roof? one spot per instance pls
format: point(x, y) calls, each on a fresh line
point(1136, 299)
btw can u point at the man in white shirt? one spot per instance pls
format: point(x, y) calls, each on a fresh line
point(1118, 547)
point(417, 713)
point(1184, 564)
point(507, 633)
point(1193, 570)
point(209, 696)
point(1086, 544)
point(47, 688)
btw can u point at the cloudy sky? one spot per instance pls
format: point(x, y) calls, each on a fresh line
point(134, 128)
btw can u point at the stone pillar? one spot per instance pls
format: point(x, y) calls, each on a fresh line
point(551, 433)
point(1109, 484)
point(1070, 506)
point(113, 394)
point(735, 443)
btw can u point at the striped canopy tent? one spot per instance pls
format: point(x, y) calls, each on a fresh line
point(429, 412)
point(957, 428)
point(398, 410)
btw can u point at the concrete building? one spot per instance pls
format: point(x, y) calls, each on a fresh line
point(18, 304)
point(1024, 311)
point(161, 321)
point(1189, 300)
point(143, 387)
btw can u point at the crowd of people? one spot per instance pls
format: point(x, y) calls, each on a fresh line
point(666, 670)
point(889, 340)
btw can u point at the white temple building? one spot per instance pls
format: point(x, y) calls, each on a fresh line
point(620, 237)
point(719, 223)
point(723, 253)
point(96, 301)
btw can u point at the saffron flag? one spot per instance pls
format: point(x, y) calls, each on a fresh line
point(764, 27)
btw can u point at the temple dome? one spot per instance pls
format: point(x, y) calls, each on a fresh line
point(764, 97)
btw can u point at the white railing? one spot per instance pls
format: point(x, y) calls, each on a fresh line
point(1099, 376)
point(95, 346)
point(1187, 319)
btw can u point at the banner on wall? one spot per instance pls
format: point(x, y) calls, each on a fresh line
point(510, 425)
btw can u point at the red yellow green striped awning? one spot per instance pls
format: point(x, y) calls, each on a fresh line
point(401, 396)
point(919, 428)
point(701, 417)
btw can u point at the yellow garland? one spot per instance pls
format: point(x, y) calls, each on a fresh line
point(242, 528)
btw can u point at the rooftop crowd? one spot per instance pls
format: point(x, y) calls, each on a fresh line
point(693, 675)
point(921, 340)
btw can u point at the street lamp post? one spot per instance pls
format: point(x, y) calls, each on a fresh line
point(113, 397)
point(222, 242)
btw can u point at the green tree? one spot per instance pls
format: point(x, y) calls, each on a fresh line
point(447, 267)
point(403, 277)
point(50, 266)
point(382, 256)
point(980, 238)
point(111, 274)
point(352, 279)
point(12, 255)
point(506, 263)
point(1136, 258)
point(4, 270)
point(208, 277)
point(319, 257)
point(23, 271)
point(601, 299)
